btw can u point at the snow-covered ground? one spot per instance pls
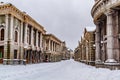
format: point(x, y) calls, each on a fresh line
point(64, 70)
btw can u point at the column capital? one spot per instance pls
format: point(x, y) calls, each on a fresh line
point(109, 12)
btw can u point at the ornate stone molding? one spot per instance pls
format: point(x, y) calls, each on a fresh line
point(102, 6)
point(11, 9)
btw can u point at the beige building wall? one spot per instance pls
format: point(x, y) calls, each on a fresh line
point(22, 36)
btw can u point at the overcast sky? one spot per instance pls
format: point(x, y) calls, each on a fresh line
point(66, 19)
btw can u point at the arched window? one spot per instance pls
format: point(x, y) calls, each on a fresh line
point(16, 36)
point(2, 34)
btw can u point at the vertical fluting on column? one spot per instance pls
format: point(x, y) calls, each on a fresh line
point(97, 42)
point(110, 37)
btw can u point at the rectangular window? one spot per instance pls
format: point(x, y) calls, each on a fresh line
point(15, 54)
point(0, 55)
point(34, 36)
point(2, 19)
point(23, 32)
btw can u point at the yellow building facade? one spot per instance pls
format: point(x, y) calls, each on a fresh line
point(23, 40)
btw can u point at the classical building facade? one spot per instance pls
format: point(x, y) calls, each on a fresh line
point(65, 52)
point(85, 52)
point(106, 15)
point(53, 48)
point(77, 53)
point(23, 40)
point(20, 36)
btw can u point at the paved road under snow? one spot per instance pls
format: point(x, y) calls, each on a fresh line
point(64, 70)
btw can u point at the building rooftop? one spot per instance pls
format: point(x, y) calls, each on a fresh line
point(90, 28)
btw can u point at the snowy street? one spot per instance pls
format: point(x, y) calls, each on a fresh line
point(64, 70)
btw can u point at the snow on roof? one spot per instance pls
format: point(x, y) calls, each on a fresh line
point(90, 28)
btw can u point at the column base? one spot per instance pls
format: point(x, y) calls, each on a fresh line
point(112, 64)
point(110, 61)
point(99, 64)
point(97, 61)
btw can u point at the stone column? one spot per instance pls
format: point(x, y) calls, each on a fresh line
point(25, 40)
point(21, 42)
point(98, 44)
point(41, 37)
point(25, 37)
point(110, 37)
point(6, 53)
point(36, 38)
point(11, 38)
point(32, 43)
point(116, 40)
point(36, 53)
point(49, 45)
point(52, 45)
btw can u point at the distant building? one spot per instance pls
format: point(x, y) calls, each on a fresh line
point(65, 52)
point(53, 48)
point(77, 54)
point(85, 52)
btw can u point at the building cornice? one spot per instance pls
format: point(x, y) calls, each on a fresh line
point(11, 9)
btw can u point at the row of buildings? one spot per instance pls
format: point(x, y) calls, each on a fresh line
point(106, 17)
point(85, 51)
point(23, 40)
